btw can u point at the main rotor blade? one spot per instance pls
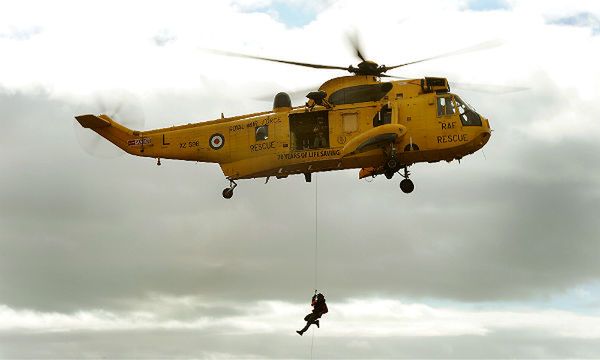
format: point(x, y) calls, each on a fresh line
point(482, 46)
point(355, 42)
point(316, 66)
point(396, 77)
point(487, 88)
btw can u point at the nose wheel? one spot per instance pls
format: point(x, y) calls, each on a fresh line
point(406, 185)
point(228, 192)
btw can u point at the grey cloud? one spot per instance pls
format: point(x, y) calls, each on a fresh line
point(81, 232)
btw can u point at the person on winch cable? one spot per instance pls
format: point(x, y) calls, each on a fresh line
point(319, 308)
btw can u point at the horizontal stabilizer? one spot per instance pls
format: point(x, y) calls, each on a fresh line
point(92, 121)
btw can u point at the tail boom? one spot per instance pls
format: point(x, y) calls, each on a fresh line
point(189, 142)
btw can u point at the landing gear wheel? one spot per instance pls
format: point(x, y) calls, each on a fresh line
point(407, 186)
point(227, 193)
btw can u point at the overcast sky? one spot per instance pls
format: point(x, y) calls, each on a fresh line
point(104, 254)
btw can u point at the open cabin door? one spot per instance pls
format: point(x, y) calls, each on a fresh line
point(309, 130)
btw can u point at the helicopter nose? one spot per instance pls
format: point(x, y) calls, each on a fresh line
point(486, 123)
point(485, 134)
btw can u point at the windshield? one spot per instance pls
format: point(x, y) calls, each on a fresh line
point(468, 116)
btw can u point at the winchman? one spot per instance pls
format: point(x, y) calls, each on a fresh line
point(319, 308)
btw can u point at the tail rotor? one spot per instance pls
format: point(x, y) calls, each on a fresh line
point(122, 107)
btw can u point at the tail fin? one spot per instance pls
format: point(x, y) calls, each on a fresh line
point(92, 121)
point(109, 129)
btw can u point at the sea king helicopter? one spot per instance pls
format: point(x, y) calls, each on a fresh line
point(350, 122)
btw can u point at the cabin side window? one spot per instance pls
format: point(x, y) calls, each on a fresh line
point(445, 106)
point(383, 116)
point(350, 122)
point(262, 132)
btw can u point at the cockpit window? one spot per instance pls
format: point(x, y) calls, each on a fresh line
point(468, 116)
point(445, 106)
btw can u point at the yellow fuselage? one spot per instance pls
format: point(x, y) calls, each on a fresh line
point(312, 138)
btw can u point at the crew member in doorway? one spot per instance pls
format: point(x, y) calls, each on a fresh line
point(319, 308)
point(319, 131)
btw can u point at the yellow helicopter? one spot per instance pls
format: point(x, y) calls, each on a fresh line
point(355, 121)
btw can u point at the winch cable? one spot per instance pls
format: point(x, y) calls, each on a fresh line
point(316, 253)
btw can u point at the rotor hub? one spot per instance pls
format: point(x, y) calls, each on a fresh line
point(368, 67)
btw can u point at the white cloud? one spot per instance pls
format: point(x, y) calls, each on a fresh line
point(358, 318)
point(113, 44)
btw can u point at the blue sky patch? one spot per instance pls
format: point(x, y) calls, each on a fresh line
point(584, 19)
point(487, 5)
point(293, 14)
